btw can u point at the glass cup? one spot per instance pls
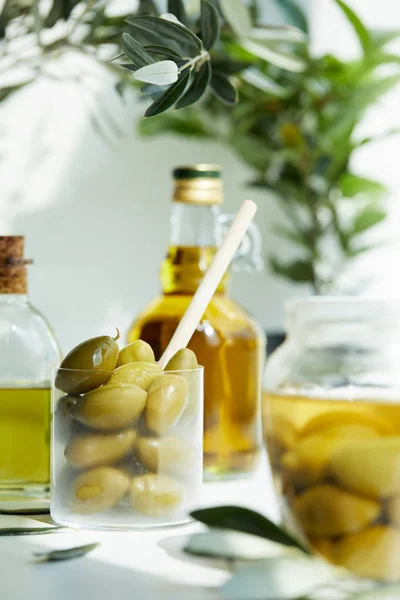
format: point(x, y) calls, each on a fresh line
point(125, 458)
point(331, 418)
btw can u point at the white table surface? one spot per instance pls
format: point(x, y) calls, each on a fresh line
point(133, 565)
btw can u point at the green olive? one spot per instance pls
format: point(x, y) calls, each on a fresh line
point(156, 495)
point(99, 489)
point(167, 399)
point(163, 455)
point(138, 373)
point(95, 450)
point(66, 406)
point(111, 407)
point(183, 360)
point(88, 366)
point(137, 351)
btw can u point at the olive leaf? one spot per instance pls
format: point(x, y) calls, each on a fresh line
point(293, 13)
point(67, 554)
point(223, 89)
point(170, 97)
point(133, 50)
point(163, 51)
point(242, 519)
point(170, 17)
point(278, 34)
point(290, 62)
point(280, 578)
point(176, 7)
point(197, 87)
point(359, 27)
point(237, 15)
point(164, 72)
point(13, 525)
point(154, 29)
point(230, 545)
point(264, 83)
point(209, 24)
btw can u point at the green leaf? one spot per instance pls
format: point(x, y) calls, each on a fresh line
point(67, 554)
point(170, 97)
point(360, 29)
point(367, 218)
point(161, 73)
point(290, 62)
point(209, 24)
point(293, 236)
point(156, 30)
point(274, 33)
point(294, 14)
point(170, 123)
point(237, 518)
point(264, 83)
point(135, 51)
point(237, 15)
point(301, 271)
point(254, 150)
point(382, 38)
point(147, 7)
point(352, 185)
point(223, 89)
point(177, 8)
point(163, 51)
point(228, 66)
point(197, 88)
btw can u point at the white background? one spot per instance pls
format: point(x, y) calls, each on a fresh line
point(95, 214)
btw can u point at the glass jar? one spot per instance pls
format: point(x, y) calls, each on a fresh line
point(27, 350)
point(124, 458)
point(331, 418)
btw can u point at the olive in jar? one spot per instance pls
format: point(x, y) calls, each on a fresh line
point(166, 402)
point(88, 366)
point(111, 407)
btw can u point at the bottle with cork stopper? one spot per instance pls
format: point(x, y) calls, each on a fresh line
point(27, 350)
point(228, 342)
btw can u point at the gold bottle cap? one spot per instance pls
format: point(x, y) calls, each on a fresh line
point(13, 278)
point(199, 184)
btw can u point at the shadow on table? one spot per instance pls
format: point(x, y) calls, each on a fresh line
point(84, 578)
point(174, 545)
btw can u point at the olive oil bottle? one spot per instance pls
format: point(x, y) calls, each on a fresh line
point(228, 342)
point(27, 350)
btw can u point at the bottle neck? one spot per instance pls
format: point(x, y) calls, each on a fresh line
point(17, 299)
point(192, 247)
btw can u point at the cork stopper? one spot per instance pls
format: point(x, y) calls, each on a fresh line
point(13, 274)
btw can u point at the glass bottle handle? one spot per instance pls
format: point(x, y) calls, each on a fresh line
point(249, 255)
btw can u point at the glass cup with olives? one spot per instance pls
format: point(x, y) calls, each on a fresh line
point(127, 437)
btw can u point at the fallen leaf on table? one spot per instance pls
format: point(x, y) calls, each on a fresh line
point(66, 554)
point(18, 525)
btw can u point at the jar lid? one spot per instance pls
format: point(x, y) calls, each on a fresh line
point(343, 309)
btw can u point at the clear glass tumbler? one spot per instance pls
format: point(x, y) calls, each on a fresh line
point(126, 458)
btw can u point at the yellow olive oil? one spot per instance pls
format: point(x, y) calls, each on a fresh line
point(24, 441)
point(230, 346)
point(336, 465)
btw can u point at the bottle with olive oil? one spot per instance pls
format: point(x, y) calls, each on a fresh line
point(27, 349)
point(228, 341)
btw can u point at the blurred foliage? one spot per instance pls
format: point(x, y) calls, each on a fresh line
point(297, 130)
